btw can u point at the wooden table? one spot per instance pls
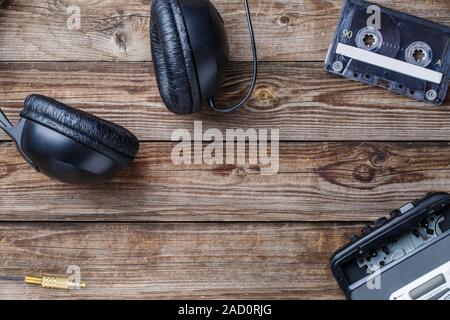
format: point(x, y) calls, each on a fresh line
point(349, 154)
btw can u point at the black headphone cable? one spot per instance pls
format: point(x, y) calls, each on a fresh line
point(211, 102)
point(11, 278)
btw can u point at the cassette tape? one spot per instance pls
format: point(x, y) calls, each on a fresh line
point(386, 48)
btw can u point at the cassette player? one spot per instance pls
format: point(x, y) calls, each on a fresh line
point(404, 257)
point(386, 48)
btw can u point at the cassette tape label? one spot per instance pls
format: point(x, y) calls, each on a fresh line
point(386, 48)
point(389, 63)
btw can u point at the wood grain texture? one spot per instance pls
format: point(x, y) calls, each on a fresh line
point(139, 261)
point(195, 231)
point(300, 30)
point(300, 99)
point(316, 182)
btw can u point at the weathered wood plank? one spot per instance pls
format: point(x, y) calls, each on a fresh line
point(300, 30)
point(148, 261)
point(316, 182)
point(300, 99)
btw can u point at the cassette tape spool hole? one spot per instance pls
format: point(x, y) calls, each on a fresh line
point(369, 38)
point(419, 53)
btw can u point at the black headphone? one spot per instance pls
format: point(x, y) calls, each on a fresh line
point(70, 145)
point(190, 54)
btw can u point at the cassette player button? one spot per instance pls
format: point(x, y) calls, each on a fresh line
point(395, 213)
point(439, 206)
point(366, 230)
point(406, 208)
point(380, 222)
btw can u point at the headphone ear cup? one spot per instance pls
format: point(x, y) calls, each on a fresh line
point(173, 60)
point(83, 127)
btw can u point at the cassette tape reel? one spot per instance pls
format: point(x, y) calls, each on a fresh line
point(390, 49)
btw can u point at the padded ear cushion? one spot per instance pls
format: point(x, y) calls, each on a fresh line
point(173, 60)
point(80, 126)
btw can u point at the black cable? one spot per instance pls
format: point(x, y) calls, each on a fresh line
point(11, 278)
point(211, 102)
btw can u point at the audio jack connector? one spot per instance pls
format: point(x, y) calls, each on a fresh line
point(51, 282)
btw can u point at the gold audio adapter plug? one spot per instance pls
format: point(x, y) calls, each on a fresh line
point(51, 282)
